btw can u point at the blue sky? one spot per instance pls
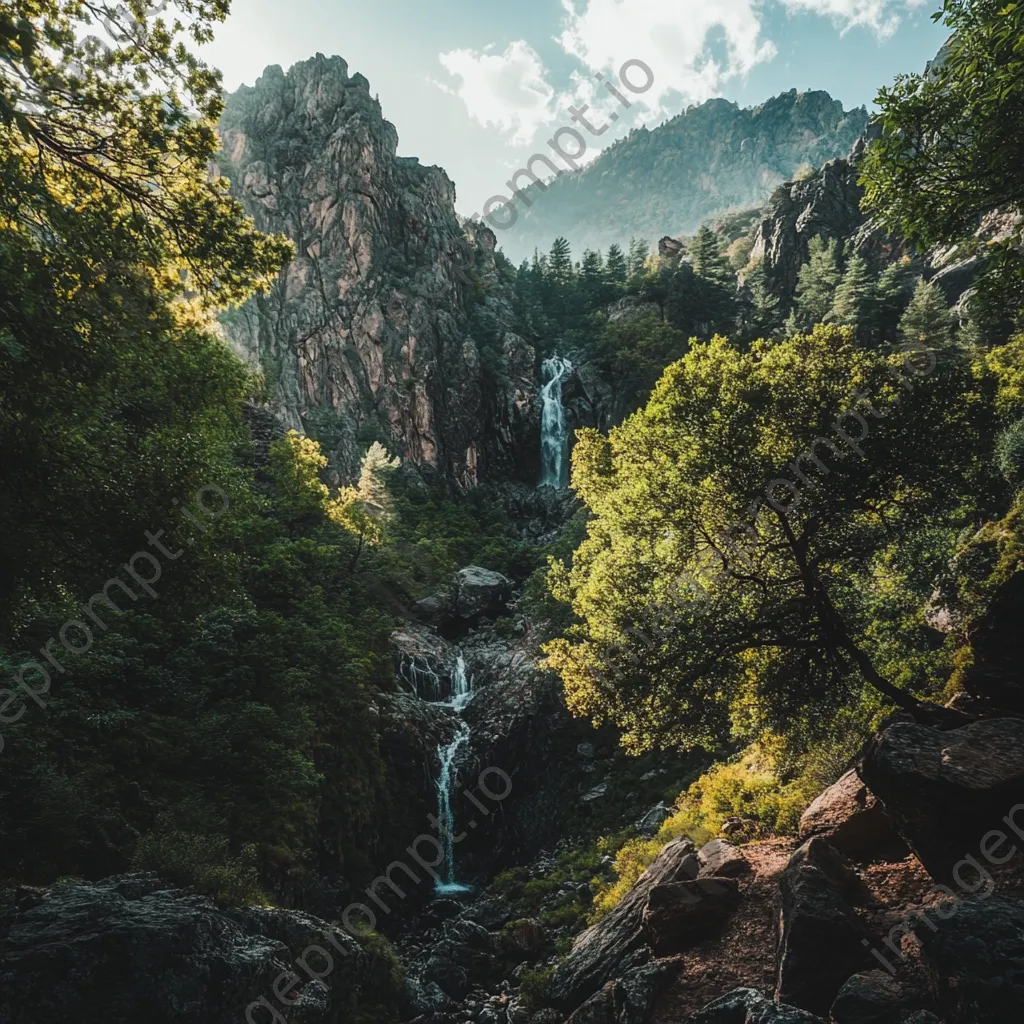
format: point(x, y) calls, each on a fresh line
point(477, 86)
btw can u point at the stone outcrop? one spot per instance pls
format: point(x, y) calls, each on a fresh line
point(598, 953)
point(628, 999)
point(819, 933)
point(853, 821)
point(945, 790)
point(366, 334)
point(826, 204)
point(132, 948)
point(471, 594)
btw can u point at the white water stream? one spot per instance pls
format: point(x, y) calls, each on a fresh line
point(554, 434)
point(461, 691)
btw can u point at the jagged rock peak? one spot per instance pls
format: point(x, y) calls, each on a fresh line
point(362, 336)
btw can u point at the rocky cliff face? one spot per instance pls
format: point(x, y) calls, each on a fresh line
point(365, 335)
point(711, 158)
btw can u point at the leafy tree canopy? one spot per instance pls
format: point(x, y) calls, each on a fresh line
point(683, 634)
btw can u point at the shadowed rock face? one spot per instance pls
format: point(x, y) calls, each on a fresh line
point(599, 953)
point(131, 948)
point(364, 335)
point(946, 790)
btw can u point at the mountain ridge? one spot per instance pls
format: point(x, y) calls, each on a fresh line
point(710, 158)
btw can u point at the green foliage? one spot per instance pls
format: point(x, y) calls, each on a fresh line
point(204, 863)
point(927, 320)
point(856, 301)
point(533, 989)
point(126, 126)
point(684, 636)
point(816, 285)
point(952, 140)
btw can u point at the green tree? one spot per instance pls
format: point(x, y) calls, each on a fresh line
point(927, 320)
point(709, 259)
point(714, 297)
point(952, 141)
point(856, 300)
point(816, 285)
point(616, 265)
point(560, 262)
point(133, 118)
point(895, 287)
point(690, 627)
point(762, 311)
point(636, 259)
point(594, 287)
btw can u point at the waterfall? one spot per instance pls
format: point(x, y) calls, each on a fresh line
point(461, 690)
point(554, 435)
point(446, 755)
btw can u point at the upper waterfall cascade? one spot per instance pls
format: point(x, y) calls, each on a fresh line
point(554, 433)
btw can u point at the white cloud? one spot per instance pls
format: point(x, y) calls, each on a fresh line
point(508, 91)
point(691, 46)
point(873, 14)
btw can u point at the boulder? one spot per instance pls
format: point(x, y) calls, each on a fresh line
point(654, 818)
point(471, 594)
point(131, 948)
point(974, 956)
point(819, 933)
point(480, 592)
point(945, 789)
point(748, 1006)
point(678, 914)
point(923, 1017)
point(719, 859)
point(873, 997)
point(630, 998)
point(599, 952)
point(525, 937)
point(853, 821)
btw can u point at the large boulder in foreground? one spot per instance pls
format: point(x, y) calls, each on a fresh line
point(819, 933)
point(601, 950)
point(853, 821)
point(975, 958)
point(748, 1006)
point(131, 948)
point(946, 789)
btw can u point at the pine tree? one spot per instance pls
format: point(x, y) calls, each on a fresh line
point(715, 302)
point(762, 312)
point(639, 250)
point(927, 320)
point(856, 300)
point(615, 264)
point(560, 262)
point(593, 282)
point(708, 259)
point(895, 287)
point(816, 285)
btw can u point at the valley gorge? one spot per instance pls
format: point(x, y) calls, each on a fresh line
point(431, 441)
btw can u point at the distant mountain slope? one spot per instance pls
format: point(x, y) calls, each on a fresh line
point(711, 158)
